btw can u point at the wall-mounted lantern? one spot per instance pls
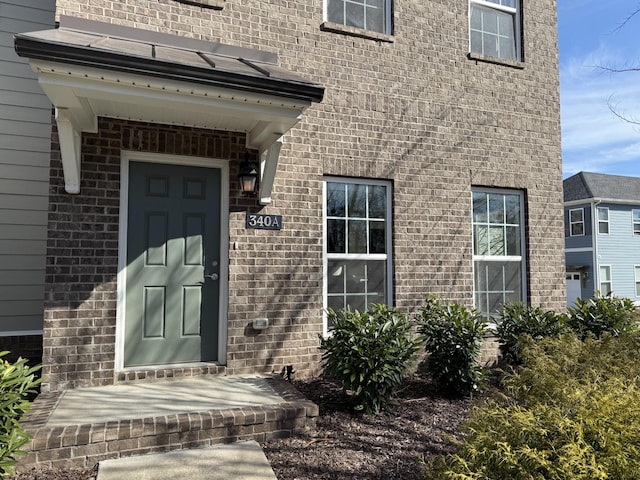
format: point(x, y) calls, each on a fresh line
point(248, 176)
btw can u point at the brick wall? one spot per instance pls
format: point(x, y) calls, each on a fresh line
point(82, 266)
point(415, 110)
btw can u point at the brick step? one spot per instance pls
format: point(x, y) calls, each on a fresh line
point(84, 445)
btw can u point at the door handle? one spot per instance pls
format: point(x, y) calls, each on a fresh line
point(213, 276)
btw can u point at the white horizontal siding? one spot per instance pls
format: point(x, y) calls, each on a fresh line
point(22, 263)
point(26, 187)
point(24, 247)
point(17, 83)
point(22, 114)
point(20, 172)
point(23, 202)
point(23, 217)
point(25, 140)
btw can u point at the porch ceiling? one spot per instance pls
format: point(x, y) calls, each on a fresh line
point(92, 69)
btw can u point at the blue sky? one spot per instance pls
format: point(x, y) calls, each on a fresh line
point(593, 139)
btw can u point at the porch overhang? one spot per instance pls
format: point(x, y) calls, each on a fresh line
point(92, 69)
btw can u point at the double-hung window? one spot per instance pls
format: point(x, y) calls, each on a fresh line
point(576, 222)
point(498, 249)
point(606, 285)
point(357, 263)
point(374, 15)
point(635, 221)
point(603, 220)
point(494, 28)
point(637, 273)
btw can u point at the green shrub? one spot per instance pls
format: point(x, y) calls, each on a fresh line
point(570, 413)
point(453, 336)
point(517, 319)
point(369, 353)
point(17, 382)
point(598, 315)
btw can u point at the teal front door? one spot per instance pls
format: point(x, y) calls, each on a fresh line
point(173, 257)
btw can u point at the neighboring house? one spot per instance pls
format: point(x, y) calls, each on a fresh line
point(602, 235)
point(402, 148)
point(25, 154)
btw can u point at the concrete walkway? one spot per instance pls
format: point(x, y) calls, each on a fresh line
point(240, 460)
point(153, 399)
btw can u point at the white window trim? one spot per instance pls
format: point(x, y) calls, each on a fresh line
point(522, 259)
point(388, 24)
point(571, 234)
point(607, 221)
point(388, 257)
point(634, 223)
point(517, 12)
point(610, 281)
point(636, 270)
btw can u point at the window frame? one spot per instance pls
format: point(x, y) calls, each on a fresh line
point(635, 222)
point(572, 223)
point(331, 24)
point(516, 12)
point(603, 222)
point(520, 259)
point(636, 269)
point(610, 281)
point(327, 257)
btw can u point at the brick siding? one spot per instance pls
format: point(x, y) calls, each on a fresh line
point(415, 110)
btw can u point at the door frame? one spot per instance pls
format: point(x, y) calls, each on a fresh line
point(127, 156)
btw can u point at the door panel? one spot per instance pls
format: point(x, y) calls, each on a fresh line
point(173, 239)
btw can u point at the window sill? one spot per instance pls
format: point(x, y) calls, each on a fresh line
point(478, 57)
point(355, 32)
point(214, 4)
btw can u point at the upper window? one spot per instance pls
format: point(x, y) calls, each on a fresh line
point(635, 220)
point(494, 28)
point(603, 220)
point(374, 15)
point(576, 222)
point(357, 244)
point(498, 249)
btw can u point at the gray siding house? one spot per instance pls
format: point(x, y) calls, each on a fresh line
point(398, 148)
point(25, 154)
point(602, 235)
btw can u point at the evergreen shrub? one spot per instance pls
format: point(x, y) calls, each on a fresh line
point(602, 314)
point(17, 382)
point(369, 353)
point(517, 319)
point(452, 335)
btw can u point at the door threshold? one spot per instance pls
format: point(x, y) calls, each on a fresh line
point(169, 371)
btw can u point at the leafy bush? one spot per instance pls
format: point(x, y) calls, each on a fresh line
point(453, 336)
point(597, 315)
point(17, 382)
point(369, 353)
point(571, 413)
point(517, 319)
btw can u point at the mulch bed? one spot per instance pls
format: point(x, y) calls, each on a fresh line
point(348, 445)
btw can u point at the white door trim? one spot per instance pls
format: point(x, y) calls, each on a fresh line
point(223, 165)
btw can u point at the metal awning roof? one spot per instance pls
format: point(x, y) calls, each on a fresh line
point(90, 69)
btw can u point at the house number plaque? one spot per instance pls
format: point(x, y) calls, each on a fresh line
point(262, 221)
